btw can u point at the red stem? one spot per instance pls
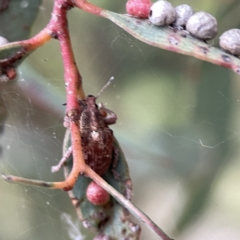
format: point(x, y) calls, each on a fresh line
point(74, 91)
point(88, 7)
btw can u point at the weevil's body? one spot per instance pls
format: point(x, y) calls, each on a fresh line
point(97, 137)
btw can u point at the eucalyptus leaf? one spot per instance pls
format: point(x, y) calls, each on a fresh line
point(17, 19)
point(9, 50)
point(173, 40)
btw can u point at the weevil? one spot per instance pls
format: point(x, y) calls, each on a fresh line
point(96, 137)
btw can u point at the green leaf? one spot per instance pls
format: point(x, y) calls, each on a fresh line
point(16, 20)
point(173, 40)
point(11, 55)
point(111, 220)
point(9, 50)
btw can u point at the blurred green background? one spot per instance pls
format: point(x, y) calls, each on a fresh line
point(177, 124)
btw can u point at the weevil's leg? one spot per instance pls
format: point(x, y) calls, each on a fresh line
point(114, 164)
point(66, 122)
point(115, 157)
point(62, 161)
point(109, 116)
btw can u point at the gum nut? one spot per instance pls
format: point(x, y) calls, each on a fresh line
point(3, 41)
point(230, 41)
point(138, 8)
point(183, 13)
point(97, 195)
point(202, 25)
point(162, 13)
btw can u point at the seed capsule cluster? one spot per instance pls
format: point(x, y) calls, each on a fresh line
point(162, 13)
point(201, 25)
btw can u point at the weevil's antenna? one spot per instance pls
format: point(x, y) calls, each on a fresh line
point(105, 86)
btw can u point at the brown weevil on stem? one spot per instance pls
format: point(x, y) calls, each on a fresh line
point(96, 136)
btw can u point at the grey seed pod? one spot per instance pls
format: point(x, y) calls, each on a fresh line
point(184, 12)
point(162, 13)
point(202, 25)
point(230, 41)
point(3, 41)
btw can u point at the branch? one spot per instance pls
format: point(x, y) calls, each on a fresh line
point(167, 38)
point(127, 204)
point(74, 90)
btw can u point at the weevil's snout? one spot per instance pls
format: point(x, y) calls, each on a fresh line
point(91, 98)
point(91, 101)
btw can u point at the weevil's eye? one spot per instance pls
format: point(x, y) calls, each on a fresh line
point(150, 14)
point(103, 113)
point(82, 104)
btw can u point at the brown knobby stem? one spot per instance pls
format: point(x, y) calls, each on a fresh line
point(73, 80)
point(27, 46)
point(37, 41)
point(79, 165)
point(88, 7)
point(127, 204)
point(74, 90)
